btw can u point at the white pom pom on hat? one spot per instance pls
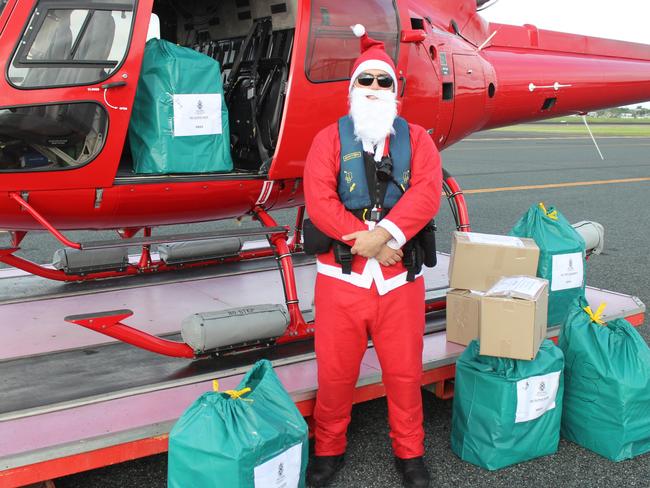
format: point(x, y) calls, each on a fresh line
point(359, 30)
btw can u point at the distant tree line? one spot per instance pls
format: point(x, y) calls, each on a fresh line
point(639, 112)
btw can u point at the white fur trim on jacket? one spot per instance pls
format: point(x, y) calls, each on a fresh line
point(371, 273)
point(393, 230)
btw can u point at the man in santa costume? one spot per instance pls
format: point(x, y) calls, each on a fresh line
point(372, 181)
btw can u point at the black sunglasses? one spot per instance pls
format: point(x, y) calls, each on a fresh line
point(366, 79)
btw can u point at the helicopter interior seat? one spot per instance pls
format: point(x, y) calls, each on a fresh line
point(24, 123)
point(255, 121)
point(273, 95)
point(82, 118)
point(272, 103)
point(59, 46)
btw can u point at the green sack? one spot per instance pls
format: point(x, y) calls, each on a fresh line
point(240, 439)
point(561, 257)
point(607, 398)
point(179, 122)
point(507, 411)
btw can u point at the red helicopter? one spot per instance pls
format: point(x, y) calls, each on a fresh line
point(70, 76)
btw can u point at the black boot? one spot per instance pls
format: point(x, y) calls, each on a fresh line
point(321, 470)
point(414, 472)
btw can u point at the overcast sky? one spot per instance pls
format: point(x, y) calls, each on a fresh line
point(627, 20)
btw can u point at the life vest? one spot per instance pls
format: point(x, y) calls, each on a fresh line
point(353, 184)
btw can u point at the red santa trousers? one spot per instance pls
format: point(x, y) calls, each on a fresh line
point(345, 316)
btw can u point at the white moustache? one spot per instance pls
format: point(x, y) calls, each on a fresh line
point(373, 118)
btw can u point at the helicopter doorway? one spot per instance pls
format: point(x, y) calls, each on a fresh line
point(252, 42)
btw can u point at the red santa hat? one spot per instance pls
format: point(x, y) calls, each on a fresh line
point(373, 56)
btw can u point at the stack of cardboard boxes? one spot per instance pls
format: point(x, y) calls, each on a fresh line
point(508, 399)
point(509, 319)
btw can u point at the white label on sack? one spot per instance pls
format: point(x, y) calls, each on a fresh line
point(568, 271)
point(536, 395)
point(197, 114)
point(494, 239)
point(524, 287)
point(281, 471)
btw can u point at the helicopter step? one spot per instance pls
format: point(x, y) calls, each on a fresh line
point(203, 333)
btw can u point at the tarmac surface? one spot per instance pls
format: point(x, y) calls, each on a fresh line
point(488, 166)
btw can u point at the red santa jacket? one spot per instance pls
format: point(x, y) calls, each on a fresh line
point(413, 210)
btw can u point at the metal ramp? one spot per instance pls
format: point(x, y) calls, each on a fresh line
point(72, 400)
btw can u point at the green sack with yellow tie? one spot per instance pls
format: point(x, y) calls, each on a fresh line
point(250, 437)
point(607, 384)
point(561, 257)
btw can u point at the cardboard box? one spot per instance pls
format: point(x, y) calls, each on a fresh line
point(513, 327)
point(480, 260)
point(462, 316)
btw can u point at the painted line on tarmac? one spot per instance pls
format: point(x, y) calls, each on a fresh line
point(555, 185)
point(522, 146)
point(554, 138)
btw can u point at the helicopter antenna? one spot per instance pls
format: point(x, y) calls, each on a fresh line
point(584, 119)
point(488, 40)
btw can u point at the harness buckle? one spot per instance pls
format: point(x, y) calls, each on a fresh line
point(376, 214)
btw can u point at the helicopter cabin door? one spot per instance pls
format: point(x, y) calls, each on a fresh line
point(66, 90)
point(322, 61)
point(470, 95)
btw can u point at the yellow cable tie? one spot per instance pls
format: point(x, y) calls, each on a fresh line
point(234, 394)
point(551, 215)
point(597, 316)
point(237, 394)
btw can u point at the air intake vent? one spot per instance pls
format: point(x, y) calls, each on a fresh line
point(549, 103)
point(417, 23)
point(447, 91)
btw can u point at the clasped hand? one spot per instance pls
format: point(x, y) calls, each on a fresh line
point(372, 244)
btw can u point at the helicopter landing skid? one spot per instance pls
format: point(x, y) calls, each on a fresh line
point(109, 322)
point(146, 263)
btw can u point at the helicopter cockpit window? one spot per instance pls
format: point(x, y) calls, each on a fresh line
point(65, 46)
point(51, 137)
point(333, 47)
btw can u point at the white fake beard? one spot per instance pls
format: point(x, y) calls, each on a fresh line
point(373, 119)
